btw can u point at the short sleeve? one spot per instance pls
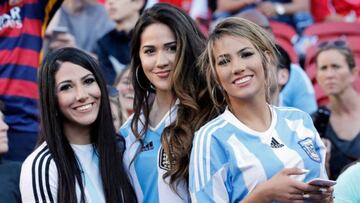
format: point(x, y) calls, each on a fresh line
point(208, 170)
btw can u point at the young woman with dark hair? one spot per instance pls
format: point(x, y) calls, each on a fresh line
point(170, 94)
point(77, 159)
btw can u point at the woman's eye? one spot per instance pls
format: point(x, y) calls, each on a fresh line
point(89, 81)
point(336, 66)
point(172, 48)
point(126, 82)
point(223, 62)
point(246, 54)
point(149, 51)
point(65, 87)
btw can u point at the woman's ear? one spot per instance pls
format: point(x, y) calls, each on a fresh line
point(283, 77)
point(355, 72)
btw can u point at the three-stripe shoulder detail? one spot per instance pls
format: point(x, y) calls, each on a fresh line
point(40, 176)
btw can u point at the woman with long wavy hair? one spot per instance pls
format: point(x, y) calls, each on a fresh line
point(170, 94)
point(77, 159)
point(253, 151)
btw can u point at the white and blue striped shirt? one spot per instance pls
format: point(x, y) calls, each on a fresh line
point(228, 159)
point(151, 163)
point(39, 175)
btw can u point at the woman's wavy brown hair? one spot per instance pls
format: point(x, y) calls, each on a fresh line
point(188, 86)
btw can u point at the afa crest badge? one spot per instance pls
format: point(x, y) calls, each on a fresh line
point(308, 146)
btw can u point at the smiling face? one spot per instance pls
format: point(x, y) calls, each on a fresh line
point(333, 72)
point(239, 68)
point(157, 54)
point(4, 147)
point(78, 94)
point(126, 91)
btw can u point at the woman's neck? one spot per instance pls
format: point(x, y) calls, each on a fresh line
point(77, 134)
point(255, 114)
point(345, 103)
point(162, 104)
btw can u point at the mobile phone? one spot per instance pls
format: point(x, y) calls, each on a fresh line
point(322, 182)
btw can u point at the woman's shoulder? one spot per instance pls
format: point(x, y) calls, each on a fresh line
point(125, 128)
point(211, 126)
point(38, 177)
point(40, 157)
point(290, 113)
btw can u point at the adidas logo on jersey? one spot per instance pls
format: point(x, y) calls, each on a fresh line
point(275, 143)
point(149, 146)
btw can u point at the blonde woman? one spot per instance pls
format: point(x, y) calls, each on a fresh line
point(252, 147)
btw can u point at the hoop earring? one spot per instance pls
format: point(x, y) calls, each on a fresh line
point(152, 88)
point(215, 96)
point(137, 78)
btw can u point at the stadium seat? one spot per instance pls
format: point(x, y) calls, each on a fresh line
point(328, 30)
point(283, 30)
point(289, 48)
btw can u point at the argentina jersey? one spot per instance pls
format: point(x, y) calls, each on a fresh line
point(228, 159)
point(150, 164)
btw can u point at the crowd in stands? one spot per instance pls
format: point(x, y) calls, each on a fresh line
point(148, 86)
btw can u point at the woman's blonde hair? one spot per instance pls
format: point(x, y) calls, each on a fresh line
point(260, 39)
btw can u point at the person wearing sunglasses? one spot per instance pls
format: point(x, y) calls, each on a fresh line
point(336, 72)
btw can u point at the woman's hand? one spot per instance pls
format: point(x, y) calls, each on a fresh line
point(317, 194)
point(283, 188)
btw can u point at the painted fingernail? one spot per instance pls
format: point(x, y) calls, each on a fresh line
point(306, 196)
point(305, 170)
point(323, 190)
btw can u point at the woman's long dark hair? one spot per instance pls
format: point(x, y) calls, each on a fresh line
point(189, 86)
point(102, 134)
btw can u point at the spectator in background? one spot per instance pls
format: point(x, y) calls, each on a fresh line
point(116, 109)
point(298, 92)
point(335, 10)
point(9, 170)
point(282, 73)
point(293, 12)
point(85, 22)
point(77, 149)
point(226, 8)
point(21, 32)
point(336, 72)
point(125, 88)
point(114, 47)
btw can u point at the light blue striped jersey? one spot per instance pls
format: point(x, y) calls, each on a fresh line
point(229, 159)
point(147, 170)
